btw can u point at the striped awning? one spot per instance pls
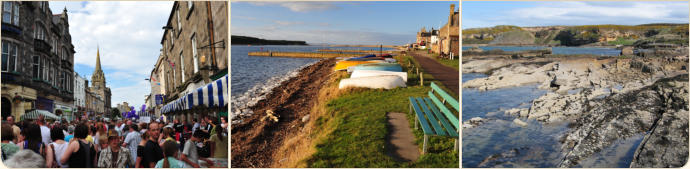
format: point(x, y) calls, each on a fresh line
point(214, 94)
point(35, 113)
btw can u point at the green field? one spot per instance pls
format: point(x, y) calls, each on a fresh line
point(354, 128)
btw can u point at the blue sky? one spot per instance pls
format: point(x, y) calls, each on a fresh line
point(338, 22)
point(128, 34)
point(539, 13)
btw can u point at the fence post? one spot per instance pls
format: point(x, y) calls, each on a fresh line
point(421, 79)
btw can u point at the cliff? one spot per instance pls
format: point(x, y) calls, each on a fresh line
point(245, 40)
point(603, 35)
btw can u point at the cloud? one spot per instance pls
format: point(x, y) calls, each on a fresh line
point(578, 13)
point(132, 94)
point(301, 6)
point(287, 23)
point(326, 36)
point(128, 34)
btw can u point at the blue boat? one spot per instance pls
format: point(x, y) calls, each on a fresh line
point(361, 57)
point(394, 67)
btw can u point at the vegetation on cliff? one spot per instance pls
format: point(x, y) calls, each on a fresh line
point(246, 40)
point(578, 35)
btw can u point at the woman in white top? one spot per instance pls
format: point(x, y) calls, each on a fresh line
point(56, 149)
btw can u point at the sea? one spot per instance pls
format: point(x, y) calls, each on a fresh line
point(537, 144)
point(557, 50)
point(253, 77)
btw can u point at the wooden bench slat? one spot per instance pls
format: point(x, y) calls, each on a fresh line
point(420, 116)
point(431, 118)
point(449, 99)
point(449, 115)
point(449, 128)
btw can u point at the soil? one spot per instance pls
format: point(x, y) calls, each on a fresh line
point(446, 75)
point(254, 141)
point(400, 140)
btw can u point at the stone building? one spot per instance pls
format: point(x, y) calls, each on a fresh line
point(79, 95)
point(450, 34)
point(423, 38)
point(98, 84)
point(94, 103)
point(194, 50)
point(123, 107)
point(37, 59)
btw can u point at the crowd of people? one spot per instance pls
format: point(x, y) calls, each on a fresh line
point(113, 144)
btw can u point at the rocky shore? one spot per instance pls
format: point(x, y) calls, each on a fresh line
point(605, 99)
point(279, 116)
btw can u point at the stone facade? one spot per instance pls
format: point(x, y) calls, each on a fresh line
point(423, 37)
point(194, 50)
point(37, 59)
point(450, 34)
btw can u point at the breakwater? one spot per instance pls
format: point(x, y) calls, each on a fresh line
point(303, 54)
point(354, 51)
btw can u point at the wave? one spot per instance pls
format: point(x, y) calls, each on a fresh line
point(240, 105)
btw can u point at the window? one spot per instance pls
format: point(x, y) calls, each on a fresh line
point(172, 39)
point(9, 56)
point(36, 67)
point(194, 54)
point(40, 32)
point(182, 66)
point(10, 13)
point(51, 72)
point(179, 25)
point(45, 69)
point(62, 79)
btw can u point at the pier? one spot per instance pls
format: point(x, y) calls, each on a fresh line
point(304, 54)
point(355, 51)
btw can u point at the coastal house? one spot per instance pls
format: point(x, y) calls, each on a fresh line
point(423, 38)
point(449, 34)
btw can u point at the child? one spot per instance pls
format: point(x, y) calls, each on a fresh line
point(170, 152)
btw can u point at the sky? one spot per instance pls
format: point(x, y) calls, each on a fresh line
point(539, 13)
point(129, 35)
point(388, 23)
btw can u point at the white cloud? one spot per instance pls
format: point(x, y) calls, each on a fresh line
point(301, 6)
point(325, 36)
point(287, 23)
point(132, 94)
point(128, 34)
point(578, 13)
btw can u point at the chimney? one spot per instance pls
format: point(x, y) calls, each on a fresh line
point(450, 15)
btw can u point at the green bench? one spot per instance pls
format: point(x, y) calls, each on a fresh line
point(434, 117)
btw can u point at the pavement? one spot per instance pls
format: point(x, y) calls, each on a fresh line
point(400, 142)
point(446, 75)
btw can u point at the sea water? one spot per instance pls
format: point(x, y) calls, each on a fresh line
point(601, 51)
point(253, 77)
point(537, 143)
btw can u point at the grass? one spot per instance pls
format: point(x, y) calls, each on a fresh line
point(352, 130)
point(447, 62)
point(622, 41)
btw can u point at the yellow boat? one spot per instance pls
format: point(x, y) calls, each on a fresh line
point(342, 65)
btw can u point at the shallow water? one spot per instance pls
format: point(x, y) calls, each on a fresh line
point(253, 77)
point(538, 144)
point(556, 50)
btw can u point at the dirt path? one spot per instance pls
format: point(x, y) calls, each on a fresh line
point(446, 75)
point(400, 141)
point(254, 141)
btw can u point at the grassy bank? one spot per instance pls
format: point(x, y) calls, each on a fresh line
point(351, 130)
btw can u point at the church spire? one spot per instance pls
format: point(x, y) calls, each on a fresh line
point(98, 59)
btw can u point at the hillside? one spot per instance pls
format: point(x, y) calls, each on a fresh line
point(597, 35)
point(245, 40)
